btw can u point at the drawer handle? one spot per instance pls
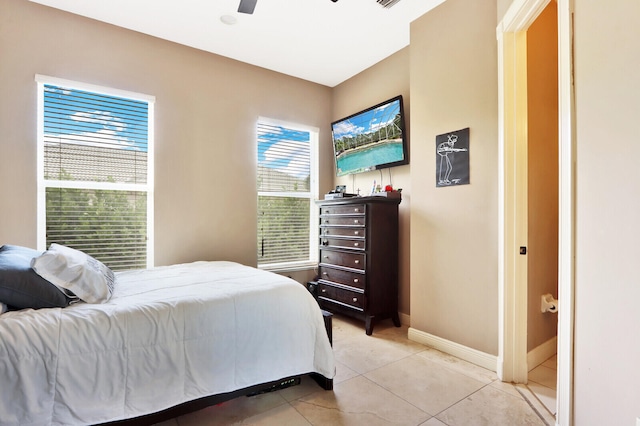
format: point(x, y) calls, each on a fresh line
point(326, 257)
point(355, 280)
point(356, 244)
point(325, 274)
point(357, 262)
point(326, 221)
point(356, 221)
point(325, 242)
point(356, 233)
point(357, 210)
point(355, 299)
point(324, 290)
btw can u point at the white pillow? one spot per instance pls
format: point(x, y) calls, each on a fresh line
point(71, 269)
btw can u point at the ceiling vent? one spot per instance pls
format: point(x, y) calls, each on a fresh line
point(387, 3)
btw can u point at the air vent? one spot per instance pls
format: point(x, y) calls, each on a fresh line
point(387, 3)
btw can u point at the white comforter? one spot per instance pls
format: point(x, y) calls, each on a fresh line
point(168, 335)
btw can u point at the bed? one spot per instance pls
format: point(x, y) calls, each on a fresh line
point(177, 336)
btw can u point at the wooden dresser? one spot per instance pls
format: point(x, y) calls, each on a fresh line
point(358, 268)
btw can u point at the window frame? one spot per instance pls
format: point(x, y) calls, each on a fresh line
point(312, 195)
point(43, 184)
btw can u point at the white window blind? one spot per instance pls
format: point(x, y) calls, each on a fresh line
point(286, 189)
point(94, 172)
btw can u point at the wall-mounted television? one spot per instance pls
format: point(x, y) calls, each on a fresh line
point(371, 139)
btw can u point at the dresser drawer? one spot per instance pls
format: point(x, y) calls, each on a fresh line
point(349, 260)
point(342, 210)
point(342, 232)
point(343, 243)
point(341, 295)
point(355, 221)
point(352, 279)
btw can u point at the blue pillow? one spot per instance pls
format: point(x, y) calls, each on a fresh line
point(21, 287)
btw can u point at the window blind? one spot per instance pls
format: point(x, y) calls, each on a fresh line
point(95, 174)
point(284, 193)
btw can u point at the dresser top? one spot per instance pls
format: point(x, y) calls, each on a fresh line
point(360, 200)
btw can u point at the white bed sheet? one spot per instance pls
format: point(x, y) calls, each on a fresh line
point(168, 335)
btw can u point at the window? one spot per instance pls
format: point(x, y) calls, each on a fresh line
point(287, 188)
point(95, 163)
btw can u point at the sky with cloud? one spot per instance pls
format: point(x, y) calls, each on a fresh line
point(283, 149)
point(92, 119)
point(366, 121)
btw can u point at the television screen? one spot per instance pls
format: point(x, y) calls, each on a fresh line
point(371, 139)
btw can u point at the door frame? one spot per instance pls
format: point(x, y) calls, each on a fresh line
point(512, 131)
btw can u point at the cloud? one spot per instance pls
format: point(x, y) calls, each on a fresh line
point(290, 157)
point(103, 118)
point(346, 128)
point(109, 131)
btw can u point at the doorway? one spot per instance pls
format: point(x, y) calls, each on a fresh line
point(513, 129)
point(542, 203)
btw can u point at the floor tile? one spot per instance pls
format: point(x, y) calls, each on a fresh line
point(424, 383)
point(343, 328)
point(544, 376)
point(363, 353)
point(387, 327)
point(343, 373)
point(490, 407)
point(537, 405)
point(547, 396)
point(542, 387)
point(506, 387)
point(358, 401)
point(398, 336)
point(552, 362)
point(456, 364)
point(433, 422)
point(233, 411)
point(282, 415)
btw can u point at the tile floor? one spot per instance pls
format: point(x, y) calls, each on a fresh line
point(383, 379)
point(542, 382)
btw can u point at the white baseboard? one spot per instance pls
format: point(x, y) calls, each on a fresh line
point(542, 353)
point(474, 356)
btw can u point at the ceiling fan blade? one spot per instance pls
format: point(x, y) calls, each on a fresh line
point(247, 6)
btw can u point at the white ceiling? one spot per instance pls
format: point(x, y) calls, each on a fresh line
point(316, 40)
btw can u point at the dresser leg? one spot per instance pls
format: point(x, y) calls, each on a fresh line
point(368, 325)
point(396, 320)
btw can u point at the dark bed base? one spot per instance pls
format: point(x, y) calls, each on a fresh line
point(207, 401)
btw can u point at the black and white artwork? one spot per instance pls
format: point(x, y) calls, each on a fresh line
point(452, 158)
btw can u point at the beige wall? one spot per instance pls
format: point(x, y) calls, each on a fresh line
point(206, 109)
point(454, 234)
point(542, 243)
point(607, 313)
point(383, 81)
